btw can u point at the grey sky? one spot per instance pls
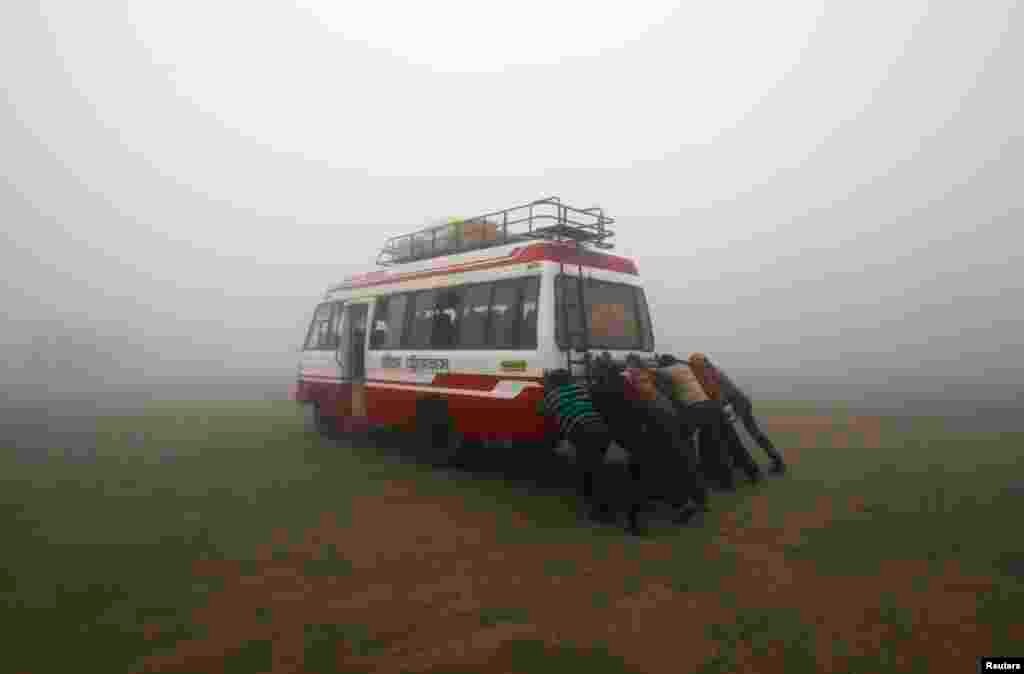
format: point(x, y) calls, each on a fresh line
point(817, 190)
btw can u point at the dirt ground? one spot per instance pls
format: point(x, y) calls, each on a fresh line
point(421, 571)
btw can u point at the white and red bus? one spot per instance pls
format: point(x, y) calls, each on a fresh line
point(458, 327)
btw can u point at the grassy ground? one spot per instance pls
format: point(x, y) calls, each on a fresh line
point(226, 535)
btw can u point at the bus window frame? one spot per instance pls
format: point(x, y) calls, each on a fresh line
point(520, 282)
point(645, 331)
point(336, 307)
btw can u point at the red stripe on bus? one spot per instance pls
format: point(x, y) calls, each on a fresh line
point(515, 419)
point(554, 252)
point(475, 381)
point(550, 252)
point(488, 263)
point(468, 381)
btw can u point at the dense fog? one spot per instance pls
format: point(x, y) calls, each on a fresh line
point(827, 199)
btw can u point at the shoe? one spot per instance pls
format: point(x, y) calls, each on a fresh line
point(755, 475)
point(634, 527)
point(778, 466)
point(685, 514)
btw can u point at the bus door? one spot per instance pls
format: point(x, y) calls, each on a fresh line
point(351, 355)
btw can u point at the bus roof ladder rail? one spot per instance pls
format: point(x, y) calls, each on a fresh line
point(545, 219)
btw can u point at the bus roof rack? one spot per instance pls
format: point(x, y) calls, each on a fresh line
point(545, 219)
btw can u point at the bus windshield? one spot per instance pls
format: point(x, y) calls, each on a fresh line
point(617, 316)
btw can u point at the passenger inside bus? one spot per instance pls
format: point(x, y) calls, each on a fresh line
point(445, 331)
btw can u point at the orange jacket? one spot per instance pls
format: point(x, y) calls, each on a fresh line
point(686, 385)
point(706, 375)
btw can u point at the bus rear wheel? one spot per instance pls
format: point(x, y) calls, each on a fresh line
point(435, 437)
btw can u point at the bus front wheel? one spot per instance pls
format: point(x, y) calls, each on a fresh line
point(315, 421)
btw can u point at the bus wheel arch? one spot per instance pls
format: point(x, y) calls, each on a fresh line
point(435, 436)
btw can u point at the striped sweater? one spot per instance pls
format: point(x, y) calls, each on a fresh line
point(571, 406)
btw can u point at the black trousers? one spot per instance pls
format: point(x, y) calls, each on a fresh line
point(745, 411)
point(705, 418)
point(603, 487)
point(662, 460)
point(738, 452)
point(720, 448)
point(665, 459)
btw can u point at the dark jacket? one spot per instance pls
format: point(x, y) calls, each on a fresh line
point(730, 391)
point(619, 410)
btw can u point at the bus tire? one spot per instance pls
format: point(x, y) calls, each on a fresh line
point(435, 436)
point(315, 421)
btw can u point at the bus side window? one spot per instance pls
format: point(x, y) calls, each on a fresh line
point(379, 328)
point(505, 315)
point(333, 338)
point(531, 294)
point(421, 322)
point(447, 311)
point(476, 303)
point(388, 322)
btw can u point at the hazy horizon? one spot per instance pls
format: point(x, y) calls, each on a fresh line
point(826, 197)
